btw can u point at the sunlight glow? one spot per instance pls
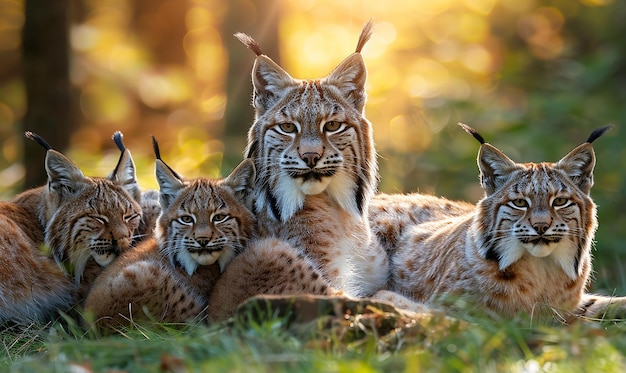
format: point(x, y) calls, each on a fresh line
point(477, 59)
point(482, 7)
point(84, 37)
point(164, 66)
point(428, 78)
point(408, 135)
point(11, 21)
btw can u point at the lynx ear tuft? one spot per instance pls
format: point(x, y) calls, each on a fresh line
point(170, 183)
point(124, 174)
point(351, 74)
point(495, 167)
point(249, 42)
point(472, 132)
point(64, 177)
point(366, 34)
point(598, 132)
point(118, 139)
point(38, 139)
point(579, 163)
point(268, 79)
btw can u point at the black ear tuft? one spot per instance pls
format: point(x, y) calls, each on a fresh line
point(155, 146)
point(157, 154)
point(249, 42)
point(35, 137)
point(598, 132)
point(472, 132)
point(366, 34)
point(118, 140)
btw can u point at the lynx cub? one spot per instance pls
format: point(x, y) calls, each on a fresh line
point(203, 224)
point(316, 172)
point(84, 222)
point(525, 247)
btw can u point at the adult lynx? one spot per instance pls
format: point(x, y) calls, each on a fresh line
point(84, 222)
point(203, 224)
point(525, 247)
point(316, 172)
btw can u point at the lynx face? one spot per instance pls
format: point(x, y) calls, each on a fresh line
point(542, 211)
point(311, 148)
point(310, 136)
point(540, 208)
point(204, 220)
point(99, 224)
point(89, 217)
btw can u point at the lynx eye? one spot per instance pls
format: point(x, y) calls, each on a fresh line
point(332, 126)
point(287, 127)
point(186, 219)
point(520, 202)
point(559, 201)
point(100, 219)
point(219, 218)
point(131, 217)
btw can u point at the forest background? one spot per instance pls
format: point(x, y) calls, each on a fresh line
point(534, 77)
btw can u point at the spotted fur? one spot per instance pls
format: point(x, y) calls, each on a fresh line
point(316, 172)
point(32, 286)
point(56, 238)
point(203, 224)
point(524, 248)
point(90, 221)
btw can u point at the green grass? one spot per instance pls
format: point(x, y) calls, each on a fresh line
point(369, 342)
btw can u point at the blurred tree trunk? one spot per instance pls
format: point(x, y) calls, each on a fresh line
point(45, 48)
point(259, 19)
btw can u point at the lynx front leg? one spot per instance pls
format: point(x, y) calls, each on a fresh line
point(267, 267)
point(602, 308)
point(400, 301)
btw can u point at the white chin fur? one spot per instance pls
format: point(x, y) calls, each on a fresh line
point(206, 259)
point(313, 187)
point(540, 251)
point(104, 259)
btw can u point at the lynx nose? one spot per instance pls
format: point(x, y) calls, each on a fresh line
point(311, 158)
point(541, 227)
point(203, 241)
